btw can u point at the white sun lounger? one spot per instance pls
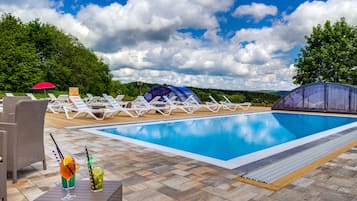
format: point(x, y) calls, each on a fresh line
point(227, 104)
point(93, 100)
point(49, 106)
point(115, 105)
point(174, 106)
point(53, 98)
point(213, 105)
point(31, 96)
point(209, 105)
point(58, 103)
point(141, 102)
point(82, 109)
point(119, 97)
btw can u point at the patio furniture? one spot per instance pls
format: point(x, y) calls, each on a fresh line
point(31, 96)
point(229, 104)
point(115, 105)
point(141, 102)
point(112, 191)
point(82, 109)
point(213, 105)
point(25, 135)
point(186, 108)
point(191, 101)
point(119, 98)
point(52, 97)
point(106, 96)
point(3, 160)
point(9, 103)
point(55, 105)
point(93, 100)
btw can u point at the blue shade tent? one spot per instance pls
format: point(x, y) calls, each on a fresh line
point(182, 93)
point(320, 97)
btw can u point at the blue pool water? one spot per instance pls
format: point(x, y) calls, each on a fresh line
point(228, 137)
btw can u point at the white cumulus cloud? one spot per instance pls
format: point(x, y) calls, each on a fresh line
point(141, 40)
point(257, 10)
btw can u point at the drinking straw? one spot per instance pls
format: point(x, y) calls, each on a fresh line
point(54, 153)
point(60, 154)
point(58, 149)
point(90, 168)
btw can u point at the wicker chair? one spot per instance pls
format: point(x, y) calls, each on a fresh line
point(9, 103)
point(25, 135)
point(3, 159)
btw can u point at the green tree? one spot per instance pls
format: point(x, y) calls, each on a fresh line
point(19, 64)
point(237, 98)
point(330, 55)
point(34, 52)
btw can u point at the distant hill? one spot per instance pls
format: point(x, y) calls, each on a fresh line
point(281, 93)
point(262, 97)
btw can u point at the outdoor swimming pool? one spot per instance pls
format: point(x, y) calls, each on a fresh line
point(232, 140)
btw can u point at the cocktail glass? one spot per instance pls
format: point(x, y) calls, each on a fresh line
point(72, 182)
point(97, 179)
point(68, 168)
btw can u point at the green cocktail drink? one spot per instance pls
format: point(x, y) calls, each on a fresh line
point(97, 183)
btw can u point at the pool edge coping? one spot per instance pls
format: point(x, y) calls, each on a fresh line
point(232, 163)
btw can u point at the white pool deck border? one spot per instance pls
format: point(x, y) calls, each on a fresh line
point(229, 164)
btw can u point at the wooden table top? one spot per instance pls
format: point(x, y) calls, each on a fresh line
point(112, 191)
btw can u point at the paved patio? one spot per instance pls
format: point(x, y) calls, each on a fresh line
point(147, 174)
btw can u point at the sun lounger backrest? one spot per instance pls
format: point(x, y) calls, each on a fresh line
point(192, 100)
point(225, 98)
point(79, 103)
point(173, 98)
point(144, 101)
point(155, 99)
point(169, 101)
point(112, 102)
point(89, 96)
point(119, 97)
point(62, 98)
point(52, 97)
point(213, 100)
point(31, 96)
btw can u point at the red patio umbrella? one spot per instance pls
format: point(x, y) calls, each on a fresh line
point(44, 86)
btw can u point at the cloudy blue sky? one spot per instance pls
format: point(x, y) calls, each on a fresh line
point(225, 44)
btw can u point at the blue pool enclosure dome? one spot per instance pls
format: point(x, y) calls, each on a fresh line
point(182, 93)
point(320, 97)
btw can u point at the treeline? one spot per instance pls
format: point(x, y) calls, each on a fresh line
point(33, 52)
point(258, 98)
point(133, 89)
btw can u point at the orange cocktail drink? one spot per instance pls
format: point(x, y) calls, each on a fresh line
point(68, 168)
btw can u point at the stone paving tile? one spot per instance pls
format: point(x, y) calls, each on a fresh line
point(303, 182)
point(149, 175)
point(148, 195)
